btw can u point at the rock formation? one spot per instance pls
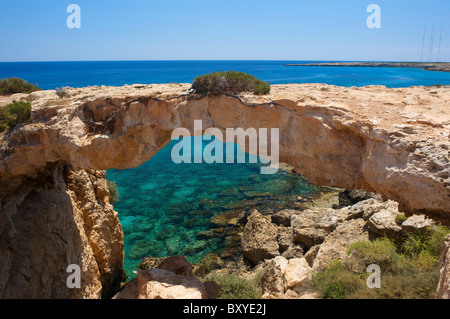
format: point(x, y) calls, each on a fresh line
point(394, 142)
point(290, 277)
point(172, 279)
point(391, 141)
point(59, 219)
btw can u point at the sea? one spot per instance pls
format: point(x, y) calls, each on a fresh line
point(197, 210)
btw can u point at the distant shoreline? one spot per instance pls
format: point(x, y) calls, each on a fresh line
point(440, 66)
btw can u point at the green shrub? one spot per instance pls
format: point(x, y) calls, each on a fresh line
point(16, 85)
point(425, 249)
point(15, 113)
point(408, 269)
point(113, 192)
point(233, 82)
point(235, 287)
point(62, 92)
point(381, 251)
point(400, 219)
point(337, 281)
point(406, 285)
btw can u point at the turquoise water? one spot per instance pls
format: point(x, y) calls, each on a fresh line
point(192, 209)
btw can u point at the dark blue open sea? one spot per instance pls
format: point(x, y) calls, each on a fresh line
point(50, 75)
point(191, 209)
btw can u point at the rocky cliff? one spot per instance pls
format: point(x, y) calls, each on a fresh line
point(391, 141)
point(58, 219)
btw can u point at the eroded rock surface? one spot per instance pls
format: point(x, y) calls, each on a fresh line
point(391, 141)
point(62, 218)
point(394, 142)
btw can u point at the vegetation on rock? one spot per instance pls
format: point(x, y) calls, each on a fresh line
point(14, 113)
point(233, 82)
point(113, 192)
point(235, 287)
point(16, 85)
point(408, 268)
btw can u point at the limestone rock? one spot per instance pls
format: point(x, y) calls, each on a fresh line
point(283, 217)
point(417, 224)
point(163, 284)
point(55, 221)
point(173, 280)
point(212, 289)
point(100, 128)
point(259, 238)
point(365, 209)
point(150, 262)
point(311, 254)
point(336, 244)
point(297, 274)
point(353, 196)
point(307, 229)
point(273, 281)
point(281, 275)
point(443, 289)
point(294, 251)
point(285, 238)
point(331, 219)
point(374, 138)
point(383, 224)
point(178, 265)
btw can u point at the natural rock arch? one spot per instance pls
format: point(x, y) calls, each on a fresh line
point(328, 135)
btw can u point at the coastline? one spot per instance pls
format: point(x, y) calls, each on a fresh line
point(393, 142)
point(438, 66)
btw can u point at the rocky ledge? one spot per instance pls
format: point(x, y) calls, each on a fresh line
point(394, 142)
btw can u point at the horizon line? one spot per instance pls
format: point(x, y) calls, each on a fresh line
point(212, 60)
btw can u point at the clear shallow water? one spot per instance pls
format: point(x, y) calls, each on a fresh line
point(168, 209)
point(191, 209)
point(50, 75)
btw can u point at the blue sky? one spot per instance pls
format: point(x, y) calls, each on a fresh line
point(222, 30)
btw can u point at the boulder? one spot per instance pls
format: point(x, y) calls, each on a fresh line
point(311, 254)
point(178, 265)
point(417, 224)
point(307, 229)
point(365, 209)
point(383, 223)
point(163, 284)
point(259, 239)
point(285, 238)
point(283, 218)
point(297, 274)
point(173, 280)
point(272, 279)
point(336, 244)
point(281, 276)
point(331, 219)
point(294, 251)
